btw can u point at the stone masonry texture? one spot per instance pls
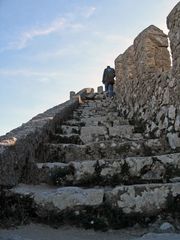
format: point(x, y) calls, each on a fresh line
point(18, 147)
point(173, 23)
point(147, 86)
point(99, 162)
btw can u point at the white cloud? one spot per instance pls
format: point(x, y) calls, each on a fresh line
point(88, 12)
point(119, 39)
point(39, 76)
point(54, 27)
point(115, 43)
point(55, 54)
point(27, 36)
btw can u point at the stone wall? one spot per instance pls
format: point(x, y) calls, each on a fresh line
point(142, 68)
point(173, 23)
point(147, 88)
point(18, 147)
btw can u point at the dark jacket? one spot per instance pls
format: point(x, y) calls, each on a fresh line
point(108, 75)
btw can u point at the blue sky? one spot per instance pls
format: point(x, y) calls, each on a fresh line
point(50, 47)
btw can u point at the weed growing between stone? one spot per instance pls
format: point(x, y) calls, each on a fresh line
point(172, 171)
point(61, 176)
point(15, 209)
point(99, 218)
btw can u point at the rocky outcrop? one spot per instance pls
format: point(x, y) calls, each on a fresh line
point(147, 92)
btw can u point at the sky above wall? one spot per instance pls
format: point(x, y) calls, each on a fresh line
point(51, 47)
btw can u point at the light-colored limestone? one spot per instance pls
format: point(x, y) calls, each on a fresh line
point(146, 199)
point(147, 90)
point(61, 198)
point(89, 134)
point(124, 130)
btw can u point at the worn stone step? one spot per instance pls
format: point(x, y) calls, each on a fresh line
point(93, 133)
point(97, 133)
point(65, 129)
point(131, 170)
point(97, 112)
point(74, 122)
point(103, 121)
point(101, 104)
point(92, 151)
point(97, 150)
point(119, 206)
point(145, 199)
point(67, 138)
point(59, 199)
point(90, 121)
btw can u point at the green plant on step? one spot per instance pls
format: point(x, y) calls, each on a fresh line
point(92, 179)
point(62, 175)
point(171, 171)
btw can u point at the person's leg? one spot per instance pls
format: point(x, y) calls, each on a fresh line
point(106, 87)
point(110, 90)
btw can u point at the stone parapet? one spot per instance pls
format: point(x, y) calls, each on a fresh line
point(173, 23)
point(147, 91)
point(18, 147)
point(143, 67)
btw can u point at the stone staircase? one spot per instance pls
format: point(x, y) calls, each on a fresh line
point(97, 171)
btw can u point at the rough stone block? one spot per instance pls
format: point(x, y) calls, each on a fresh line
point(174, 140)
point(142, 199)
point(124, 130)
point(89, 134)
point(100, 89)
point(61, 198)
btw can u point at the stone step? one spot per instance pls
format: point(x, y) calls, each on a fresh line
point(93, 133)
point(65, 129)
point(97, 150)
point(68, 138)
point(96, 112)
point(60, 199)
point(92, 151)
point(108, 207)
point(96, 133)
point(145, 199)
point(103, 121)
point(74, 122)
point(131, 170)
point(99, 104)
point(97, 121)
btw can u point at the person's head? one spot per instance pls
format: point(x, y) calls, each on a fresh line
point(108, 66)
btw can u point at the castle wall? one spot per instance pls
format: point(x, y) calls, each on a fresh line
point(18, 147)
point(173, 24)
point(147, 88)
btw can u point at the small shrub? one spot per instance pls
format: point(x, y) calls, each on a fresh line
point(59, 175)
